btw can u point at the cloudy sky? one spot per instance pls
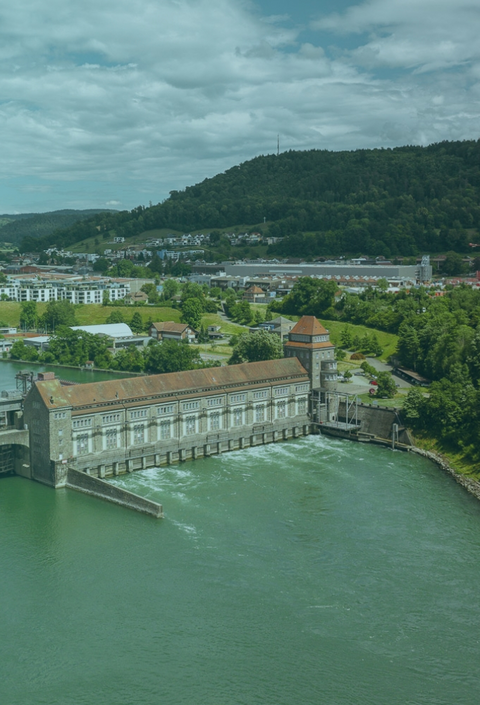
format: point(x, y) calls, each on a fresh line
point(109, 103)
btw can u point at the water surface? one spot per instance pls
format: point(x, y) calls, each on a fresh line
point(315, 572)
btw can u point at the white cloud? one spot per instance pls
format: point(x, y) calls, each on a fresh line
point(150, 97)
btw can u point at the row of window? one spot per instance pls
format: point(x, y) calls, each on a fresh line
point(111, 418)
point(138, 432)
point(186, 406)
point(167, 409)
point(81, 423)
point(299, 388)
point(139, 414)
point(216, 401)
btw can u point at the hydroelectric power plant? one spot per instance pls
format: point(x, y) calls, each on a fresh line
point(76, 436)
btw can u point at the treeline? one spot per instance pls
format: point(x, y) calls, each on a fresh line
point(438, 337)
point(38, 225)
point(393, 202)
point(76, 348)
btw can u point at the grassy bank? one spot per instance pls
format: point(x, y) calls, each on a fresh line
point(457, 459)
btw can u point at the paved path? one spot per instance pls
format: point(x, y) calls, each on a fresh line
point(216, 358)
point(384, 367)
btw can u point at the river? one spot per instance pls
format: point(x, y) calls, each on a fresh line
point(310, 572)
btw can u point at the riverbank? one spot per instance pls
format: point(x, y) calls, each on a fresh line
point(472, 486)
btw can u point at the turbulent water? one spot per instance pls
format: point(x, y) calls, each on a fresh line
point(309, 572)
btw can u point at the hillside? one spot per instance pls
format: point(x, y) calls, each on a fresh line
point(384, 201)
point(14, 228)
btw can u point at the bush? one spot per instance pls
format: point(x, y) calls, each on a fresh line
point(357, 356)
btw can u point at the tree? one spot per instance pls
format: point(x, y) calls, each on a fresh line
point(215, 236)
point(151, 291)
point(346, 337)
point(241, 312)
point(386, 387)
point(101, 265)
point(20, 351)
point(414, 407)
point(170, 288)
point(130, 359)
point(203, 335)
point(28, 314)
point(453, 264)
point(171, 356)
point(136, 323)
point(115, 317)
point(368, 369)
point(256, 346)
point(258, 316)
point(192, 290)
point(192, 310)
point(311, 297)
point(59, 313)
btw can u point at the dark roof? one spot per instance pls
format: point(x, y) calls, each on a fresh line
point(142, 389)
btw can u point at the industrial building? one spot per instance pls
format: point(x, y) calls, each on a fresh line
point(106, 428)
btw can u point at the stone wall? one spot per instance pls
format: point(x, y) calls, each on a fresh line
point(103, 490)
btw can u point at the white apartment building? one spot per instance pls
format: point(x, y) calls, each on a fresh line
point(77, 292)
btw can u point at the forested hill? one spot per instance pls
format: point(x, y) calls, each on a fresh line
point(382, 201)
point(13, 228)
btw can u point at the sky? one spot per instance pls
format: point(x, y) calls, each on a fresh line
point(113, 104)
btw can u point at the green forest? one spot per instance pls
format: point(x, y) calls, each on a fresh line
point(438, 336)
point(390, 202)
point(14, 228)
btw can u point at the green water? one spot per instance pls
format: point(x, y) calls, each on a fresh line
point(8, 370)
point(310, 572)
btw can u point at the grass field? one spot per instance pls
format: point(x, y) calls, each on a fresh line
point(213, 319)
point(91, 314)
point(94, 314)
point(388, 341)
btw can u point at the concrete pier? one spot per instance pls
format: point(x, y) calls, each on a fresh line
point(82, 482)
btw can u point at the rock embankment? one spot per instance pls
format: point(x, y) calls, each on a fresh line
point(472, 486)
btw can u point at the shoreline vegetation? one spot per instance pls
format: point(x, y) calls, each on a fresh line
point(446, 464)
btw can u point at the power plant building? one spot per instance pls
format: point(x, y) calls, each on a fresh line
point(121, 425)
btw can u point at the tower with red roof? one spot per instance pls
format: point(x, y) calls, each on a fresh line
point(310, 342)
